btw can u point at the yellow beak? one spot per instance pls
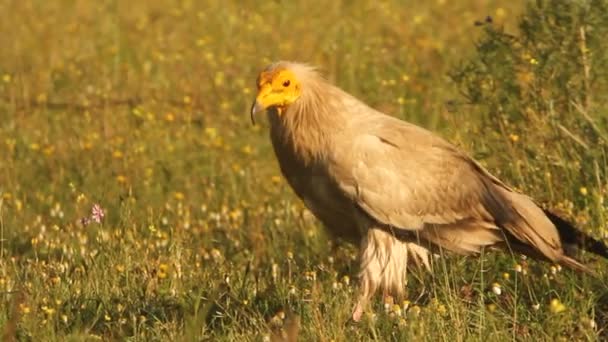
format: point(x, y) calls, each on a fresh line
point(261, 101)
point(255, 108)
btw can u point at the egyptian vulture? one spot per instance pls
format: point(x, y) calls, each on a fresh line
point(397, 190)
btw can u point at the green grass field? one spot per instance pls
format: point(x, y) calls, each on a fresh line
point(142, 108)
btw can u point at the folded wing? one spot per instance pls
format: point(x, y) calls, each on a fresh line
point(405, 177)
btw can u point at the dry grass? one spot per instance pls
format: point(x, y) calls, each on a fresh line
point(141, 107)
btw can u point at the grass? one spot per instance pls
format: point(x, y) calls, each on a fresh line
point(142, 107)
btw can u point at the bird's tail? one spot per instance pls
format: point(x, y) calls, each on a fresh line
point(574, 264)
point(572, 236)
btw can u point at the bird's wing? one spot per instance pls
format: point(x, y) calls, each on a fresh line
point(406, 177)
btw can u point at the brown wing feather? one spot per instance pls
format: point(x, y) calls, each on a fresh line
point(406, 177)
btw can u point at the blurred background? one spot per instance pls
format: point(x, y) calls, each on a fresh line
point(140, 109)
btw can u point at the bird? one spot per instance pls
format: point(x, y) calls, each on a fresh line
point(395, 189)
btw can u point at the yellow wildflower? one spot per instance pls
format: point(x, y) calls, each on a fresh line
point(24, 309)
point(178, 195)
point(162, 271)
point(441, 309)
point(556, 306)
point(247, 149)
point(47, 310)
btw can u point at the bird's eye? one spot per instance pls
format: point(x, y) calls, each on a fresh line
point(286, 83)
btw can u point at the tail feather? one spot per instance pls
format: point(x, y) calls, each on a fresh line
point(574, 264)
point(570, 235)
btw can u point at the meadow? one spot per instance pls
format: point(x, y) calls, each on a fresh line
point(137, 201)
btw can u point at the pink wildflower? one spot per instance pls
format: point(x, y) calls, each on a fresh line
point(97, 213)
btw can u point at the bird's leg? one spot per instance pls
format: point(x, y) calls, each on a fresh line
point(383, 265)
point(367, 278)
point(359, 308)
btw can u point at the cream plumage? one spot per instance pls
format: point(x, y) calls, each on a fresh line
point(396, 189)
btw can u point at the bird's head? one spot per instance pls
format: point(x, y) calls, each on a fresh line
point(278, 87)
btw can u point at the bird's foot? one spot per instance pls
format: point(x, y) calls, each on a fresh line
point(358, 311)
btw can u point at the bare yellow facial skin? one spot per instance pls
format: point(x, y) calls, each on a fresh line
point(276, 89)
